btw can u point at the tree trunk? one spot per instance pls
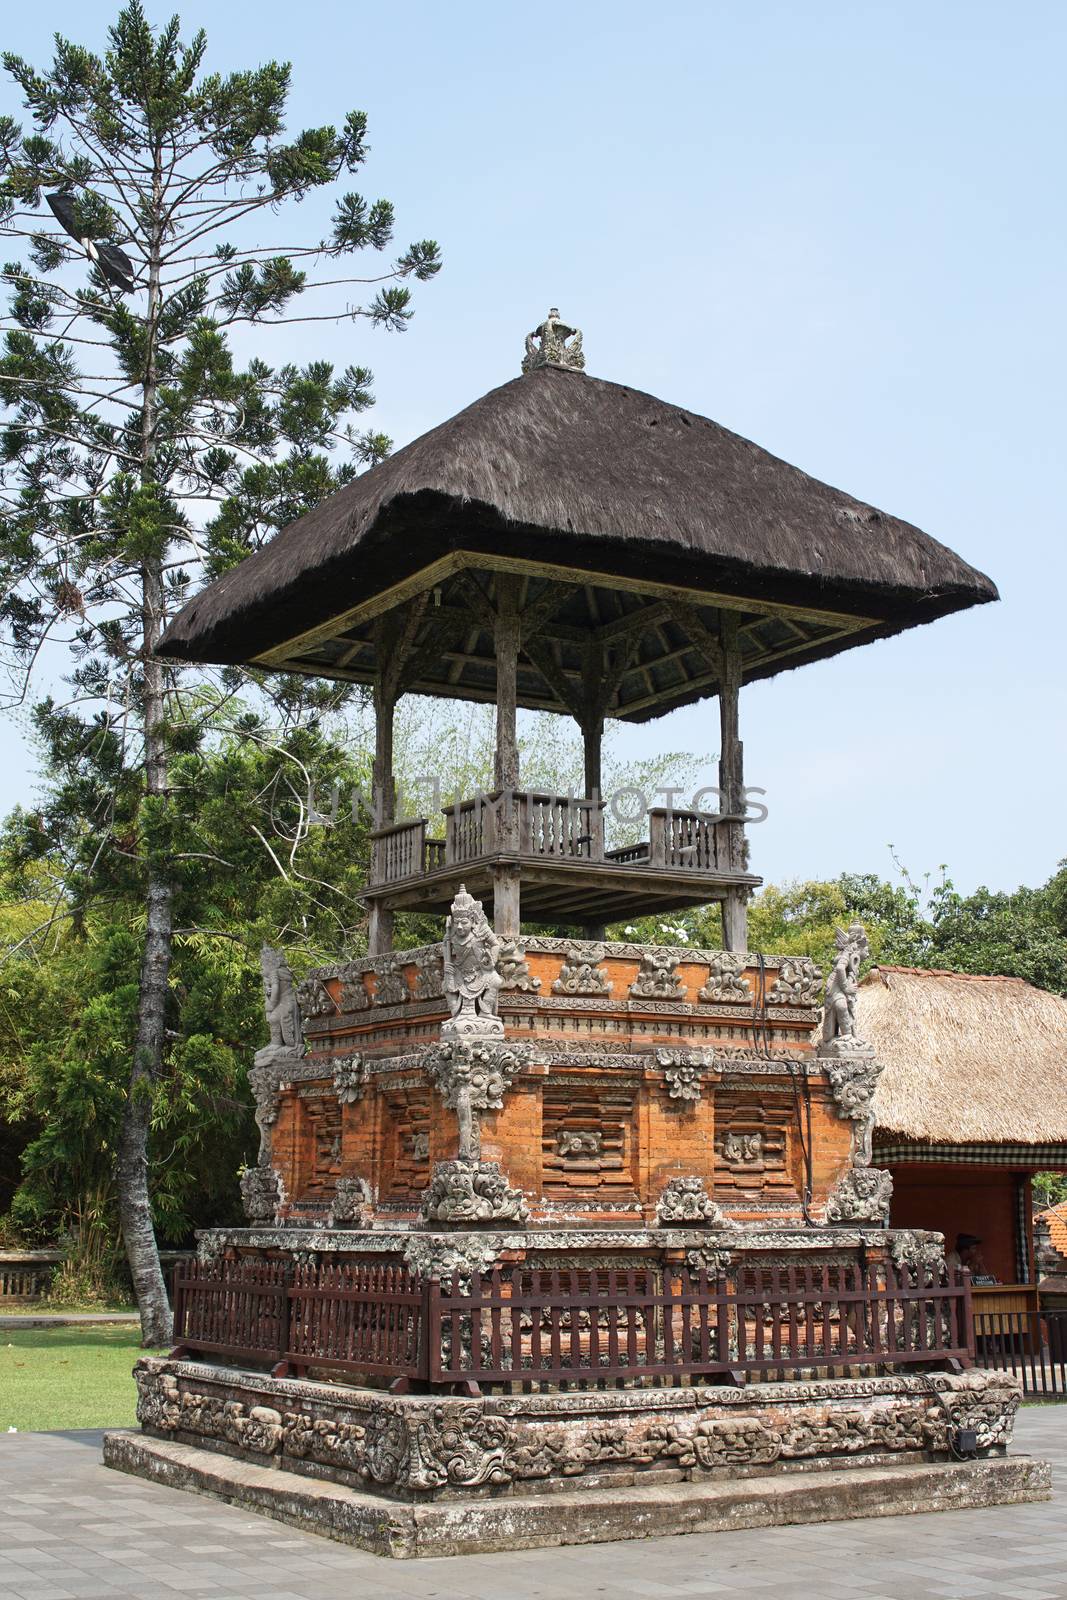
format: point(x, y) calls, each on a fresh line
point(135, 1209)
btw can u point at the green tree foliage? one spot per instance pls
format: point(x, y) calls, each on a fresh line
point(149, 208)
point(256, 869)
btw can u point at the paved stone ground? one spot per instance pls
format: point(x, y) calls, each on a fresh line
point(71, 1528)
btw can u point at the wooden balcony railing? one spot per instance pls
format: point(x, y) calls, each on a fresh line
point(578, 1327)
point(690, 840)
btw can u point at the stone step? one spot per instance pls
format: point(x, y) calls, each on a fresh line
point(522, 1522)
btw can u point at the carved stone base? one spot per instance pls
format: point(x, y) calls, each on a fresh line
point(513, 1461)
point(471, 1191)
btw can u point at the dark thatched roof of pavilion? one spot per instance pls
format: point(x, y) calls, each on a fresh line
point(578, 473)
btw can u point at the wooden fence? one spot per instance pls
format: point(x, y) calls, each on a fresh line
point(573, 1328)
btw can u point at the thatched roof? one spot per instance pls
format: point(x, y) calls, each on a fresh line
point(592, 477)
point(967, 1059)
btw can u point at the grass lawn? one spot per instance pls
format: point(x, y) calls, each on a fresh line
point(53, 1378)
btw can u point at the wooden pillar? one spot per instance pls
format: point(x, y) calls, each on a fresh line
point(383, 803)
point(732, 780)
point(507, 636)
point(592, 741)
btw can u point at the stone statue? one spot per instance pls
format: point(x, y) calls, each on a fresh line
point(283, 1009)
point(560, 346)
point(471, 980)
point(842, 986)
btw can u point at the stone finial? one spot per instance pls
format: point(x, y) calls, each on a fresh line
point(471, 980)
point(560, 346)
point(280, 1001)
point(842, 986)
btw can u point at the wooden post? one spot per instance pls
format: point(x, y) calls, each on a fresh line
point(507, 634)
point(383, 802)
point(732, 780)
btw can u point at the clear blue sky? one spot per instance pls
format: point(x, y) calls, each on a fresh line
point(836, 228)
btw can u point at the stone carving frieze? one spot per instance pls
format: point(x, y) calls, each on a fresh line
point(853, 1077)
point(580, 974)
point(686, 1200)
point(657, 978)
point(472, 1191)
point(315, 1000)
point(726, 980)
point(355, 995)
point(434, 1444)
point(514, 969)
point(429, 975)
point(799, 983)
point(707, 1258)
point(861, 1195)
point(391, 988)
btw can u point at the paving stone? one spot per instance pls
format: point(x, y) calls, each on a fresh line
point(70, 1530)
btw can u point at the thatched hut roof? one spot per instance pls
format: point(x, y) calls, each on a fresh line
point(967, 1059)
point(594, 478)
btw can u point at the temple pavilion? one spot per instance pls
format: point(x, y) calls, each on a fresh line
point(541, 1225)
point(571, 545)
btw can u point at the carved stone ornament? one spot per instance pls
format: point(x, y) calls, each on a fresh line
point(681, 1071)
point(742, 1149)
point(853, 1076)
point(349, 1075)
point(685, 1200)
point(471, 1191)
point(473, 1075)
point(354, 994)
point(433, 1257)
point(261, 1194)
point(726, 982)
point(429, 975)
point(263, 1079)
point(315, 999)
point(842, 986)
point(282, 1009)
point(554, 344)
point(658, 978)
point(914, 1247)
point(705, 1258)
point(799, 983)
point(582, 1144)
point(391, 986)
point(862, 1195)
point(351, 1198)
point(580, 974)
point(471, 980)
point(514, 969)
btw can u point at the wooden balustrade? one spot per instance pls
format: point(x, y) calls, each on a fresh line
point(560, 826)
point(690, 840)
point(574, 1326)
point(399, 851)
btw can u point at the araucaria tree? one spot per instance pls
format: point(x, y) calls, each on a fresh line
point(151, 210)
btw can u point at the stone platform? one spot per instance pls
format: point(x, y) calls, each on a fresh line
point(630, 1511)
point(406, 1475)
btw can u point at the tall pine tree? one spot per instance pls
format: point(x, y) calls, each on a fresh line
point(138, 452)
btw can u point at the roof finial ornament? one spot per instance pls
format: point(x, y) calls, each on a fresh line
point(561, 346)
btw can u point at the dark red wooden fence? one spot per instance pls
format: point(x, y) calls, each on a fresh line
point(522, 1325)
